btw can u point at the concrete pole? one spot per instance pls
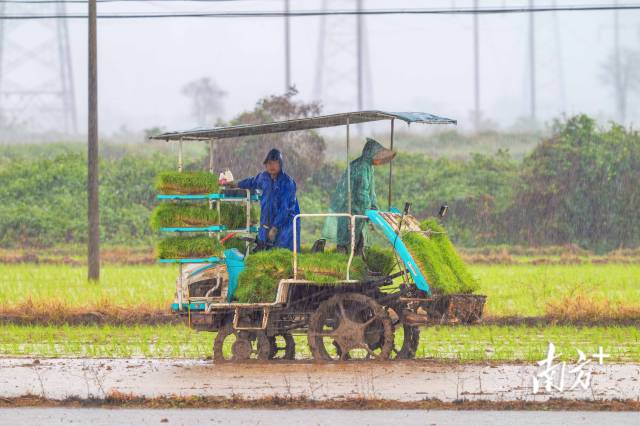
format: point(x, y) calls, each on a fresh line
point(92, 182)
point(620, 96)
point(476, 69)
point(532, 62)
point(287, 48)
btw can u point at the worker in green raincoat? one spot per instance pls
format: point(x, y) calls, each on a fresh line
point(363, 197)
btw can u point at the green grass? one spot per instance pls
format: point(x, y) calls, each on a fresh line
point(475, 343)
point(196, 182)
point(525, 290)
point(522, 290)
point(189, 247)
point(125, 286)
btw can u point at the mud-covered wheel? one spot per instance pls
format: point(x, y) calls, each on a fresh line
point(240, 345)
point(282, 346)
point(406, 343)
point(350, 326)
point(410, 342)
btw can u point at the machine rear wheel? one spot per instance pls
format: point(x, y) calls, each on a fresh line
point(350, 326)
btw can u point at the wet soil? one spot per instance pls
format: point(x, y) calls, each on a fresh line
point(165, 318)
point(290, 382)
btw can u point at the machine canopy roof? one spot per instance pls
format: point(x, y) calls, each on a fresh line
point(302, 124)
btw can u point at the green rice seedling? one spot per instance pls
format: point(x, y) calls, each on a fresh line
point(186, 247)
point(167, 215)
point(380, 260)
point(172, 182)
point(462, 343)
point(438, 260)
point(329, 267)
point(182, 215)
point(263, 270)
point(467, 282)
point(235, 243)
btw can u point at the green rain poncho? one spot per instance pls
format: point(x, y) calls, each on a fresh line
point(363, 196)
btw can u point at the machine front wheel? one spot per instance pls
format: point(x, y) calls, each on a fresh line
point(405, 346)
point(240, 345)
point(282, 346)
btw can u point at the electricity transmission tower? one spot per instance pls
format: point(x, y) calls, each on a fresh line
point(343, 79)
point(545, 63)
point(36, 77)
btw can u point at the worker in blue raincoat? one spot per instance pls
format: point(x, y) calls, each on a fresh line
point(278, 205)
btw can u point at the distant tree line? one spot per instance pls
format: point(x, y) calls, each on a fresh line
point(579, 186)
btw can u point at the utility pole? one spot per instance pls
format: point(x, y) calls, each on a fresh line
point(359, 53)
point(476, 68)
point(92, 182)
point(620, 97)
point(532, 62)
point(287, 48)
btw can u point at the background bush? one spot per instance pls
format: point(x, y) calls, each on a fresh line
point(579, 186)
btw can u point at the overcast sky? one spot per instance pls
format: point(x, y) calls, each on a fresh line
point(420, 63)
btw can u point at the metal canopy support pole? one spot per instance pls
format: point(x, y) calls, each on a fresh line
point(180, 287)
point(391, 162)
point(210, 155)
point(348, 172)
point(92, 154)
point(180, 155)
point(359, 56)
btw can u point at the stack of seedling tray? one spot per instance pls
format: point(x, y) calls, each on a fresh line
point(195, 212)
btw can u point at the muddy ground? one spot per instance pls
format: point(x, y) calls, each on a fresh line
point(163, 318)
point(405, 382)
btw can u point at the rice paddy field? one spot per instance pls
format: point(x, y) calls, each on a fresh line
point(446, 343)
point(512, 290)
point(606, 291)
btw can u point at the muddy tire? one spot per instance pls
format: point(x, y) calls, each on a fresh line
point(407, 348)
point(241, 345)
point(350, 326)
point(410, 343)
point(282, 346)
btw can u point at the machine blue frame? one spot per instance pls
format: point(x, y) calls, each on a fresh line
point(400, 248)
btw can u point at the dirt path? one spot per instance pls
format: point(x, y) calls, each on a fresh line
point(398, 381)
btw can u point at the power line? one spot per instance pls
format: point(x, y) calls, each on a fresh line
point(120, 1)
point(309, 13)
